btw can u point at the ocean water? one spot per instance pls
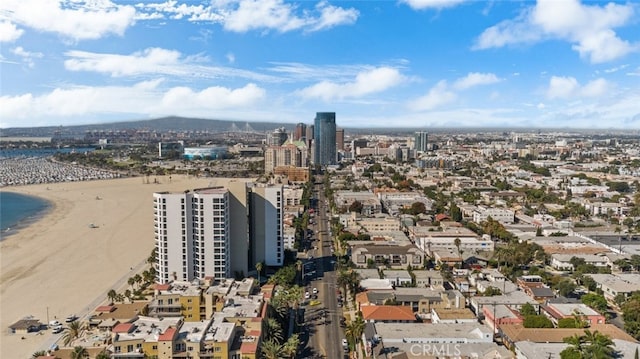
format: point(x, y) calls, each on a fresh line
point(17, 210)
point(40, 152)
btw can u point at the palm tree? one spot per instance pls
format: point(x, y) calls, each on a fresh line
point(354, 330)
point(290, 347)
point(111, 295)
point(103, 355)
point(272, 330)
point(138, 279)
point(131, 282)
point(592, 345)
point(576, 348)
point(259, 266)
point(75, 329)
point(40, 353)
point(79, 353)
point(600, 345)
point(271, 350)
point(299, 270)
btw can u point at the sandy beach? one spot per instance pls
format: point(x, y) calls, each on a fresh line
point(61, 265)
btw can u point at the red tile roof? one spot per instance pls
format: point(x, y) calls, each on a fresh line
point(123, 328)
point(105, 308)
point(167, 335)
point(162, 286)
point(249, 347)
point(387, 312)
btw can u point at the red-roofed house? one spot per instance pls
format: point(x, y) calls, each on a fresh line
point(105, 309)
point(168, 334)
point(161, 287)
point(123, 328)
point(387, 314)
point(165, 343)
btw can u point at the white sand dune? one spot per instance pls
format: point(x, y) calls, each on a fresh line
point(61, 265)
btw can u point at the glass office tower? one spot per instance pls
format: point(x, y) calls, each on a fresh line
point(324, 136)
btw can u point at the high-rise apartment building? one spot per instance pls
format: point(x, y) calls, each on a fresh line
point(324, 137)
point(420, 141)
point(287, 155)
point(277, 137)
point(300, 132)
point(218, 232)
point(192, 234)
point(340, 139)
point(267, 216)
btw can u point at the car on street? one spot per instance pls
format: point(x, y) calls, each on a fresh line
point(57, 329)
point(71, 318)
point(315, 290)
point(307, 295)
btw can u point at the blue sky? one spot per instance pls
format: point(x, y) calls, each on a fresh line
point(400, 63)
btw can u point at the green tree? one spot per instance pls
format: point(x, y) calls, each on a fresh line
point(631, 315)
point(595, 301)
point(565, 287)
point(417, 208)
point(39, 353)
point(271, 350)
point(492, 291)
point(354, 330)
point(537, 321)
point(103, 355)
point(79, 352)
point(527, 309)
point(456, 213)
point(576, 348)
point(600, 345)
point(259, 266)
point(112, 295)
point(457, 243)
point(272, 330)
point(74, 332)
point(290, 347)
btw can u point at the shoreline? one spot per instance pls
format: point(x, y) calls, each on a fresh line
point(26, 221)
point(59, 265)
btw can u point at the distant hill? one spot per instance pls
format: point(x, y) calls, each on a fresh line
point(172, 123)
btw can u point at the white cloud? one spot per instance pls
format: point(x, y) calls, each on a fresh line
point(154, 61)
point(151, 60)
point(432, 4)
point(568, 87)
point(183, 98)
point(475, 79)
point(9, 32)
point(142, 99)
point(616, 69)
point(331, 16)
point(74, 19)
point(589, 28)
point(437, 96)
point(231, 57)
point(248, 15)
point(26, 56)
point(365, 83)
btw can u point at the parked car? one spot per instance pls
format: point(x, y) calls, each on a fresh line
point(54, 323)
point(71, 318)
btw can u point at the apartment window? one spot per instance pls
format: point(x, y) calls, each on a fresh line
point(129, 348)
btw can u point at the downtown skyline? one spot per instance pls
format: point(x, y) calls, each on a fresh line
point(411, 63)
